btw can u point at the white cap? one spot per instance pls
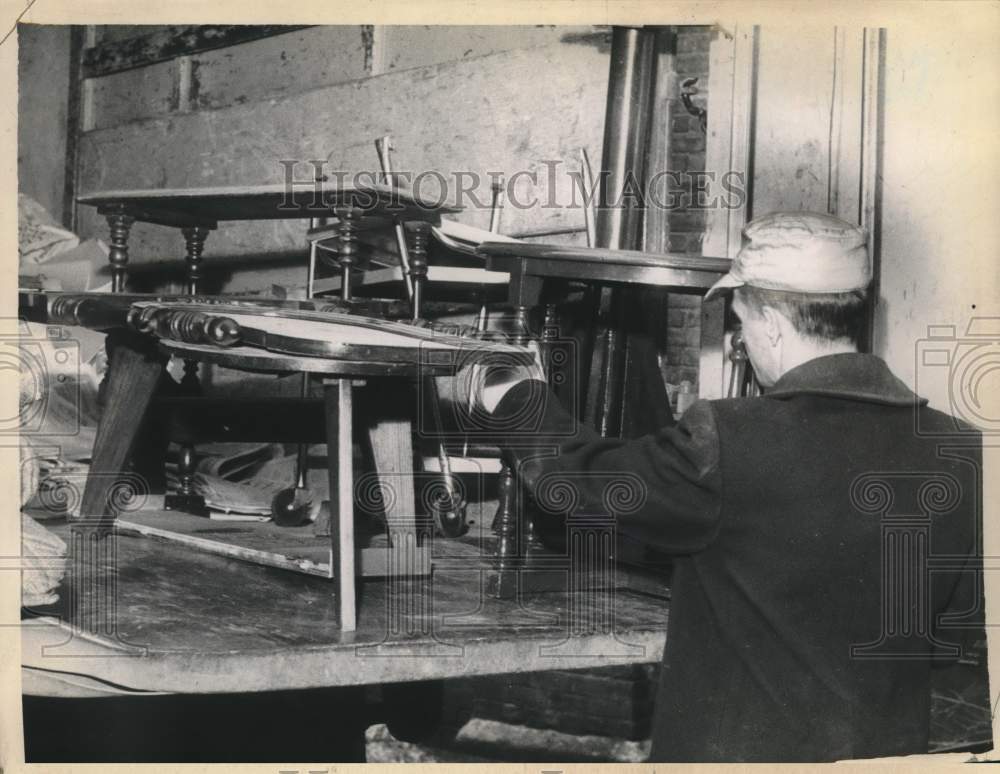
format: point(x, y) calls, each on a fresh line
point(802, 252)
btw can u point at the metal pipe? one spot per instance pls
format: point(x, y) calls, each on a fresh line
point(631, 81)
point(626, 126)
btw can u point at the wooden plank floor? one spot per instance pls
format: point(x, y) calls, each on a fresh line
point(156, 615)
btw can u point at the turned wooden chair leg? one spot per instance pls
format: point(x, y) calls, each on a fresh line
point(509, 525)
point(186, 499)
point(502, 582)
point(119, 225)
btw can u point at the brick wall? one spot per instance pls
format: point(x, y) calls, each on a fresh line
point(687, 155)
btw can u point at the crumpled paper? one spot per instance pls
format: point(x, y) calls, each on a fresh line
point(39, 236)
point(44, 563)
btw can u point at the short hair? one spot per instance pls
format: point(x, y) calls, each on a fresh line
point(830, 316)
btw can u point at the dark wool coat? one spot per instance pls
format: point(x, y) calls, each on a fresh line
point(828, 557)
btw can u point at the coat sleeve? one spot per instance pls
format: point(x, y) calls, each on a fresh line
point(664, 488)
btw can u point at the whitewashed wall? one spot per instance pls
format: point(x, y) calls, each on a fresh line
point(941, 197)
point(462, 98)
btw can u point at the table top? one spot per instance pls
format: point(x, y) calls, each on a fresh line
point(323, 342)
point(604, 265)
point(262, 361)
point(192, 622)
point(182, 207)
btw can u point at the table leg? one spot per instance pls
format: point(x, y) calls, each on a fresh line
point(525, 289)
point(512, 541)
point(451, 516)
point(134, 370)
point(337, 397)
point(347, 246)
point(186, 499)
point(419, 232)
point(391, 442)
point(119, 225)
point(194, 241)
point(607, 366)
point(502, 583)
point(407, 608)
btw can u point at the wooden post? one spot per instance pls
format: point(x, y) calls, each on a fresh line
point(728, 152)
point(337, 397)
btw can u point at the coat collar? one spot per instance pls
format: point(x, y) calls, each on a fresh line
point(854, 376)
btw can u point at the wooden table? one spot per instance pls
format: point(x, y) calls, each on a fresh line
point(197, 211)
point(205, 658)
point(184, 621)
point(530, 264)
point(343, 349)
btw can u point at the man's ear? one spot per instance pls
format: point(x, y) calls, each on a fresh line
point(773, 320)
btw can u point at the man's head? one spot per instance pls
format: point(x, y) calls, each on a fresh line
point(799, 289)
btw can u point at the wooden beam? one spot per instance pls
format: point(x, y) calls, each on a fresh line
point(135, 368)
point(872, 103)
point(337, 398)
point(74, 115)
point(171, 42)
point(731, 97)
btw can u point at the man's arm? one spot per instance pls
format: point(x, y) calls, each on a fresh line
point(664, 488)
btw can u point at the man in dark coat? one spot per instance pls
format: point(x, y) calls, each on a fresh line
point(827, 535)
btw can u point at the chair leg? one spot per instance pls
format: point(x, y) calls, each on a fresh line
point(508, 524)
point(502, 582)
point(337, 397)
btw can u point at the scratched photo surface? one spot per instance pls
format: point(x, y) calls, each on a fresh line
point(505, 393)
